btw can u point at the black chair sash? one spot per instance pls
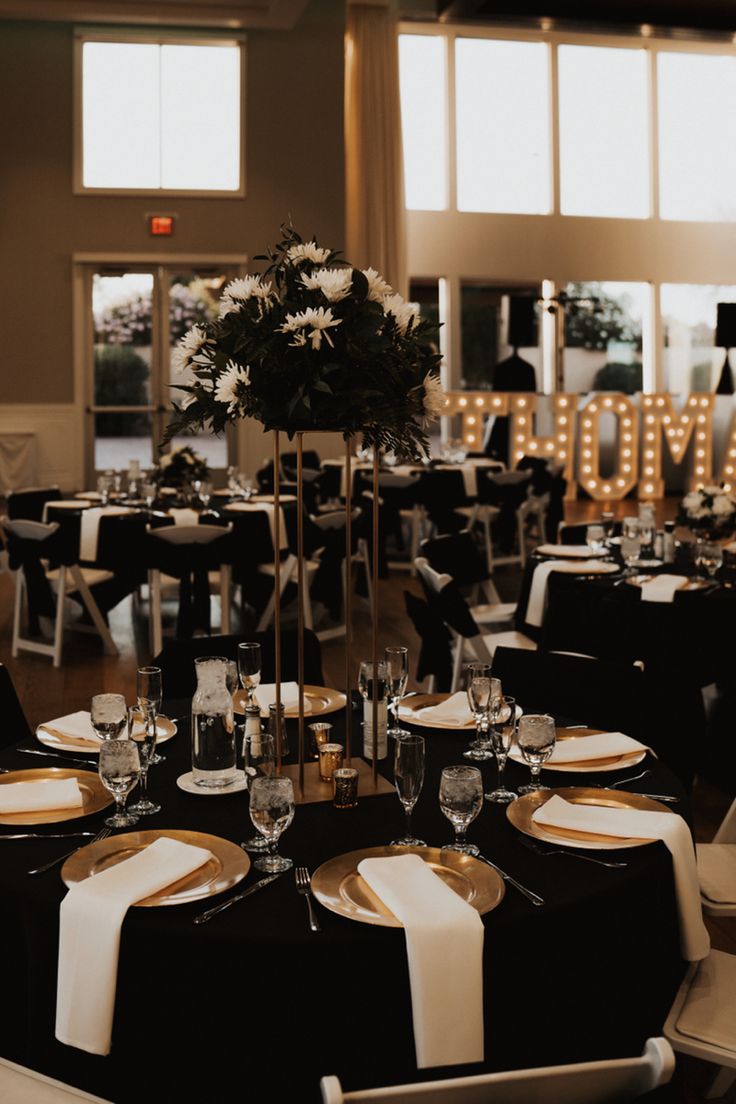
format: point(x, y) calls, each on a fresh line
point(435, 653)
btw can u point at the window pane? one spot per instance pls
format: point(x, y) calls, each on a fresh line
point(604, 149)
point(120, 438)
point(697, 137)
point(120, 93)
point(503, 157)
point(200, 95)
point(495, 321)
point(691, 362)
point(603, 339)
point(122, 310)
point(424, 120)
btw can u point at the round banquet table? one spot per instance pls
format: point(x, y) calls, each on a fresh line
point(204, 1010)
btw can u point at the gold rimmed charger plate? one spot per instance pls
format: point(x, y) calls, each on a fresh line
point(323, 699)
point(228, 866)
point(687, 584)
point(520, 814)
point(51, 737)
point(94, 795)
point(410, 708)
point(339, 887)
point(586, 766)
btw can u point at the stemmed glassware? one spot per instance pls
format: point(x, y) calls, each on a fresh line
point(409, 779)
point(630, 544)
point(108, 714)
point(397, 674)
point(708, 557)
point(595, 538)
point(144, 737)
point(119, 770)
point(249, 669)
point(503, 734)
point(272, 811)
point(536, 739)
point(149, 693)
point(461, 799)
point(483, 691)
point(259, 761)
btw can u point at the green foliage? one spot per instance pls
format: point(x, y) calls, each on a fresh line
point(700, 377)
point(593, 328)
point(618, 377)
point(121, 378)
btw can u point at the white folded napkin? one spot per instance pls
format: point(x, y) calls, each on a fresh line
point(454, 711)
point(77, 726)
point(573, 551)
point(599, 745)
point(444, 946)
point(266, 696)
point(90, 920)
point(90, 528)
point(641, 824)
point(182, 515)
point(717, 871)
point(32, 797)
point(538, 591)
point(265, 508)
point(662, 588)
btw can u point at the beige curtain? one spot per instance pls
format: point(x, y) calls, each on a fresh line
point(376, 230)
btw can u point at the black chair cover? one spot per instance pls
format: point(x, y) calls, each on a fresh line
point(435, 655)
point(458, 555)
point(190, 563)
point(29, 503)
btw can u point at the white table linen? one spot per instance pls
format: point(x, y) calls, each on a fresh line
point(662, 588)
point(572, 551)
point(32, 797)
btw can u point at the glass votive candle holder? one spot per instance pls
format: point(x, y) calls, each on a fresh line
point(320, 731)
point(330, 759)
point(345, 787)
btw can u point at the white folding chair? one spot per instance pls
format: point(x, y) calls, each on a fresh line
point(702, 1020)
point(717, 868)
point(583, 1083)
point(19, 1085)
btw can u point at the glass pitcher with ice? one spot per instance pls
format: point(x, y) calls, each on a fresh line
point(213, 726)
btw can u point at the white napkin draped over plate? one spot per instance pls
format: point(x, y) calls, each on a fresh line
point(573, 551)
point(454, 711)
point(90, 920)
point(444, 946)
point(538, 591)
point(77, 726)
point(90, 528)
point(670, 828)
point(266, 696)
point(599, 745)
point(32, 797)
point(662, 588)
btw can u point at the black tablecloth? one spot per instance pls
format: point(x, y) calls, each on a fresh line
point(204, 1010)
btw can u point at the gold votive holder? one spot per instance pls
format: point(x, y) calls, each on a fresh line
point(345, 787)
point(320, 731)
point(330, 759)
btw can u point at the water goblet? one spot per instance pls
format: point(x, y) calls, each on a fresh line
point(408, 779)
point(144, 736)
point(536, 739)
point(272, 811)
point(595, 538)
point(205, 493)
point(149, 494)
point(108, 714)
point(397, 673)
point(503, 734)
point(461, 799)
point(630, 543)
point(259, 759)
point(249, 669)
point(481, 691)
point(149, 693)
point(119, 769)
point(607, 520)
point(708, 557)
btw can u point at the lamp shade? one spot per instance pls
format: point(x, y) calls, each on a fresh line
point(522, 331)
point(726, 326)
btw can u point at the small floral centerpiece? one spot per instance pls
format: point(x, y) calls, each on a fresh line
point(709, 512)
point(313, 344)
point(180, 468)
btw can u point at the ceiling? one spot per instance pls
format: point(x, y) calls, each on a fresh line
point(274, 14)
point(712, 17)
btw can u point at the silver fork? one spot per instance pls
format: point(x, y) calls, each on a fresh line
point(102, 834)
point(304, 886)
point(540, 850)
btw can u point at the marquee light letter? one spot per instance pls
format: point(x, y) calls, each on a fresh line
point(625, 475)
point(695, 420)
point(559, 446)
point(473, 405)
point(728, 470)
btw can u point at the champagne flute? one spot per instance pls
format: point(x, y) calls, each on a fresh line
point(536, 740)
point(480, 691)
point(249, 669)
point(259, 760)
point(397, 673)
point(461, 799)
point(272, 811)
point(503, 733)
point(108, 714)
point(409, 779)
point(119, 769)
point(149, 692)
point(144, 736)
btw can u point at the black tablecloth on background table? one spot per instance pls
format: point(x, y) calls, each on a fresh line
point(205, 1010)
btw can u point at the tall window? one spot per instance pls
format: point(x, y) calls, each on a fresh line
point(160, 116)
point(423, 120)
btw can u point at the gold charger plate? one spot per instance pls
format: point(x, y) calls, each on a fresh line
point(339, 887)
point(323, 699)
point(228, 866)
point(585, 766)
point(94, 795)
point(51, 737)
point(520, 814)
point(408, 712)
point(687, 584)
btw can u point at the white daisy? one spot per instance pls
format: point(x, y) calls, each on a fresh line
point(307, 251)
point(230, 385)
point(434, 400)
point(241, 290)
point(404, 313)
point(378, 289)
point(334, 283)
point(190, 350)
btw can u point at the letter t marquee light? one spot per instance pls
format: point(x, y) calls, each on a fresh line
point(624, 477)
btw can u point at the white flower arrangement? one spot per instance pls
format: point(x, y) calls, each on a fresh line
point(708, 509)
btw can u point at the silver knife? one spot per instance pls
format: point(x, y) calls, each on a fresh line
point(528, 893)
point(46, 835)
point(56, 755)
point(204, 916)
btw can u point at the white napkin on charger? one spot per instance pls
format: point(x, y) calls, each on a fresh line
point(444, 946)
point(538, 591)
point(662, 588)
point(717, 871)
point(573, 551)
point(599, 745)
point(33, 797)
point(670, 828)
point(90, 920)
point(90, 528)
point(265, 695)
point(77, 726)
point(454, 711)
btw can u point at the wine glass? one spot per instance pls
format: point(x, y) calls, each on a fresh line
point(397, 674)
point(259, 758)
point(149, 692)
point(205, 493)
point(232, 678)
point(595, 538)
point(461, 799)
point(503, 734)
point(409, 779)
point(149, 494)
point(536, 739)
point(607, 520)
point(249, 669)
point(272, 811)
point(108, 714)
point(119, 769)
point(480, 690)
point(708, 557)
point(630, 543)
point(144, 736)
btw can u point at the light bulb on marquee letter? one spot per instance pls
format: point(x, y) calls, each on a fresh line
point(728, 468)
point(560, 446)
point(617, 485)
point(473, 405)
point(695, 421)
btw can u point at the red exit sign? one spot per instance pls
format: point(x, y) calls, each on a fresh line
point(161, 226)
